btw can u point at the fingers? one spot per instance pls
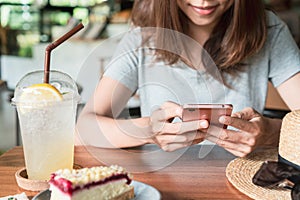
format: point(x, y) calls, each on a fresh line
point(165, 113)
point(239, 143)
point(160, 117)
point(173, 142)
point(237, 149)
point(231, 135)
point(160, 120)
point(180, 128)
point(238, 123)
point(171, 136)
point(251, 131)
point(246, 114)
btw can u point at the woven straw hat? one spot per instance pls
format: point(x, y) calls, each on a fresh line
point(240, 171)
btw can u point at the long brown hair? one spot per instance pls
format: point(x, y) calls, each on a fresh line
point(240, 33)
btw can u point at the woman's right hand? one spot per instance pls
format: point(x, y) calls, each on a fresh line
point(172, 136)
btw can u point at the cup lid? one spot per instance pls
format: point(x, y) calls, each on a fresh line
point(60, 80)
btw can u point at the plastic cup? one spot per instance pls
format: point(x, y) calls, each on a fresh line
point(47, 128)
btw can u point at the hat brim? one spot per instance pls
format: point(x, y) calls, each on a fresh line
point(240, 172)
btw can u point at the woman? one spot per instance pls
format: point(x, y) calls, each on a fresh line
point(248, 46)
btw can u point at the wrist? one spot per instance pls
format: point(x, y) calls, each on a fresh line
point(274, 132)
point(146, 134)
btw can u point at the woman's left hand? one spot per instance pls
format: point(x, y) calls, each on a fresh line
point(252, 130)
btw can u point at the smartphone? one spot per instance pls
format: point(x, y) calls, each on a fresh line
point(210, 112)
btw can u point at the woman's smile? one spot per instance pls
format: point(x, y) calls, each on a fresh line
point(207, 10)
point(204, 12)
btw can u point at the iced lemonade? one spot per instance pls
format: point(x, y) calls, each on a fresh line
point(47, 115)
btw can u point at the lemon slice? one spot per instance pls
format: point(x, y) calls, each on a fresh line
point(42, 92)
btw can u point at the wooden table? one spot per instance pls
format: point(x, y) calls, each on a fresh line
point(180, 175)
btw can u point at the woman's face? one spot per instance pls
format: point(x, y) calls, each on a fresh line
point(205, 12)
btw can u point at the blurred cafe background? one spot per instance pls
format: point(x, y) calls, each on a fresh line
point(28, 26)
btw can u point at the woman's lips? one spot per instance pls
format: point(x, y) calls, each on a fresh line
point(204, 10)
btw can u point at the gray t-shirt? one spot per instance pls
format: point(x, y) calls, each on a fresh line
point(156, 82)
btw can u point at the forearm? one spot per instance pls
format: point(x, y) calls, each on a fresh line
point(107, 132)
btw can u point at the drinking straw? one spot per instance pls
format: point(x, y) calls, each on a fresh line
point(53, 45)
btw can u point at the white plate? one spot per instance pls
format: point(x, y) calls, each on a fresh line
point(142, 191)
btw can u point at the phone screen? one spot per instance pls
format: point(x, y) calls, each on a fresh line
point(209, 112)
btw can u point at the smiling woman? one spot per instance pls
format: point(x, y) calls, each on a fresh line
point(196, 52)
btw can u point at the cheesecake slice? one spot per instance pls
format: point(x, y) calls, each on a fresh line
point(103, 182)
